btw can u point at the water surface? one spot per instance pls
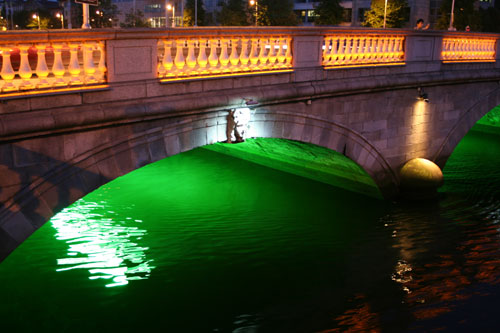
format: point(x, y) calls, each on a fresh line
point(205, 242)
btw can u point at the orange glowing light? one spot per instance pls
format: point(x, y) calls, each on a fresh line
point(366, 65)
point(53, 91)
point(198, 77)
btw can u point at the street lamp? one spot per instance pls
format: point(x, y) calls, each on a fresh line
point(256, 3)
point(61, 16)
point(37, 18)
point(385, 12)
point(451, 28)
point(172, 8)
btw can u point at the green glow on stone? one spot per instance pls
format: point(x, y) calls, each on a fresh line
point(101, 245)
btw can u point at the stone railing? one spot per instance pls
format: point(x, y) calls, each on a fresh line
point(355, 50)
point(34, 62)
point(51, 65)
point(463, 49)
point(192, 57)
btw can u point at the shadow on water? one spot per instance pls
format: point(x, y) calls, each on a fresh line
point(23, 168)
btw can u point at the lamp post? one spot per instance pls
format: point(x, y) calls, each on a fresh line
point(86, 23)
point(195, 13)
point(172, 8)
point(256, 3)
point(385, 13)
point(451, 28)
point(61, 16)
point(37, 18)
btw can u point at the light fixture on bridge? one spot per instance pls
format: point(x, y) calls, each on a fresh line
point(422, 96)
point(250, 102)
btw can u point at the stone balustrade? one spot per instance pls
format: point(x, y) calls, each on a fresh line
point(355, 50)
point(468, 49)
point(52, 61)
point(41, 66)
point(194, 56)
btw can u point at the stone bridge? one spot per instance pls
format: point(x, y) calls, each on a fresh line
point(80, 108)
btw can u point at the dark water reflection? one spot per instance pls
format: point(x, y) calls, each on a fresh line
point(203, 242)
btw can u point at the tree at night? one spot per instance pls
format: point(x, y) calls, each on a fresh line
point(395, 18)
point(329, 12)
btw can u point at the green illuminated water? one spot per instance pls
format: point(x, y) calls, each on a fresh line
point(206, 242)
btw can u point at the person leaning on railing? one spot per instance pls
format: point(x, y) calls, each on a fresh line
point(420, 25)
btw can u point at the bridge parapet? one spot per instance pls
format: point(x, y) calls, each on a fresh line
point(68, 61)
point(213, 55)
point(35, 63)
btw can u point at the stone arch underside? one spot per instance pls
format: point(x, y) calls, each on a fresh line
point(466, 121)
point(30, 207)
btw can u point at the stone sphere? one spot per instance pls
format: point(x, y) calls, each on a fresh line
point(420, 174)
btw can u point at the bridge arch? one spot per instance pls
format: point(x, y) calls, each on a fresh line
point(466, 121)
point(140, 145)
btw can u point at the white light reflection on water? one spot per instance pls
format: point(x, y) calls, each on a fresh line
point(100, 244)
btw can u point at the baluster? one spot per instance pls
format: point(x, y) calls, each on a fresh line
point(453, 49)
point(348, 50)
point(361, 50)
point(42, 71)
point(449, 53)
point(385, 48)
point(380, 49)
point(202, 56)
point(272, 54)
point(401, 53)
point(25, 71)
point(224, 56)
point(370, 50)
point(288, 54)
point(467, 49)
point(213, 59)
point(191, 58)
point(244, 57)
point(341, 51)
point(281, 52)
point(326, 51)
point(179, 60)
point(334, 53)
point(88, 62)
point(160, 70)
point(263, 55)
point(167, 62)
point(235, 57)
point(461, 49)
point(102, 62)
point(444, 51)
point(74, 66)
point(491, 49)
point(7, 72)
point(388, 51)
point(57, 67)
point(254, 52)
point(355, 49)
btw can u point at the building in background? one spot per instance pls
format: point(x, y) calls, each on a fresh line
point(354, 10)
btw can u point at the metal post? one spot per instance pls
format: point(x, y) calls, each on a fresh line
point(195, 13)
point(86, 24)
point(451, 17)
point(68, 15)
point(385, 13)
